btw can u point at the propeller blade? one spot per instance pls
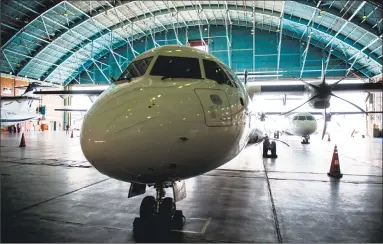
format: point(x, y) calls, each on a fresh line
point(323, 74)
point(279, 141)
point(357, 70)
point(312, 98)
point(332, 94)
point(336, 83)
point(245, 76)
point(368, 96)
point(325, 124)
point(309, 84)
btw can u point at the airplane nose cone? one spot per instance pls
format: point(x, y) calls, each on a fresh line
point(116, 117)
point(309, 128)
point(130, 133)
point(305, 128)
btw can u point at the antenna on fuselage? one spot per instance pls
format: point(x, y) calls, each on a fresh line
point(245, 76)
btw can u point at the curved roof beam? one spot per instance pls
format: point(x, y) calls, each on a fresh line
point(182, 9)
point(286, 32)
point(68, 29)
point(320, 29)
point(119, 5)
point(345, 17)
point(241, 23)
point(143, 17)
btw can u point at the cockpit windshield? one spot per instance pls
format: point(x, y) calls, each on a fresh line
point(135, 69)
point(176, 67)
point(301, 118)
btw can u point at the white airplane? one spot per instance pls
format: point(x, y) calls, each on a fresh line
point(319, 93)
point(301, 124)
point(16, 109)
point(9, 117)
point(175, 113)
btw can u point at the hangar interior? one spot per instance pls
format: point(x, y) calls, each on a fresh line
point(86, 45)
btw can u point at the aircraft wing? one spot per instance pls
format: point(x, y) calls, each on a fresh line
point(346, 113)
point(369, 87)
point(69, 92)
point(18, 98)
point(71, 109)
point(300, 89)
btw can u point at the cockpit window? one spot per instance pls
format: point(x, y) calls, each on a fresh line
point(310, 118)
point(302, 118)
point(176, 67)
point(295, 118)
point(214, 72)
point(136, 69)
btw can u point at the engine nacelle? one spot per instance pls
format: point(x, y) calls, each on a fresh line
point(256, 136)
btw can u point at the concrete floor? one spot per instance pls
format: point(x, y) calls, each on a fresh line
point(50, 193)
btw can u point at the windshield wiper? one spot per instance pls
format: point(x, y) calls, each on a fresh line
point(128, 79)
point(166, 77)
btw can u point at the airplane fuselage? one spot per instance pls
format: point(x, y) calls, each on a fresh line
point(152, 130)
point(302, 124)
point(13, 117)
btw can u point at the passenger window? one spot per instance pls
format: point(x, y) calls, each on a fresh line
point(302, 118)
point(310, 118)
point(176, 67)
point(136, 69)
point(214, 72)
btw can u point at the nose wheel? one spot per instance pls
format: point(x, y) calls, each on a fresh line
point(158, 216)
point(269, 146)
point(305, 140)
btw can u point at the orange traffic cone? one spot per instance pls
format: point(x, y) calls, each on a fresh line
point(71, 136)
point(22, 142)
point(328, 137)
point(335, 167)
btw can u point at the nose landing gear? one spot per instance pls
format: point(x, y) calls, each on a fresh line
point(272, 146)
point(158, 216)
point(305, 140)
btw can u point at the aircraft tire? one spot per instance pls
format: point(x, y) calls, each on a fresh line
point(273, 149)
point(265, 149)
point(147, 208)
point(167, 210)
point(178, 220)
point(137, 229)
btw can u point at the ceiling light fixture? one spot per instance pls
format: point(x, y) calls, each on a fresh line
point(321, 12)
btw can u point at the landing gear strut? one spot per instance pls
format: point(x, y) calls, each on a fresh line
point(272, 146)
point(158, 216)
point(305, 140)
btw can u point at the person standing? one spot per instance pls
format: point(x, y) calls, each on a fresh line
point(67, 129)
point(18, 128)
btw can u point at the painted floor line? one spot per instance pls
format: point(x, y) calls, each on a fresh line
point(206, 225)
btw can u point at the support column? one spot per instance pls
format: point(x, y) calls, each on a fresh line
point(67, 115)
